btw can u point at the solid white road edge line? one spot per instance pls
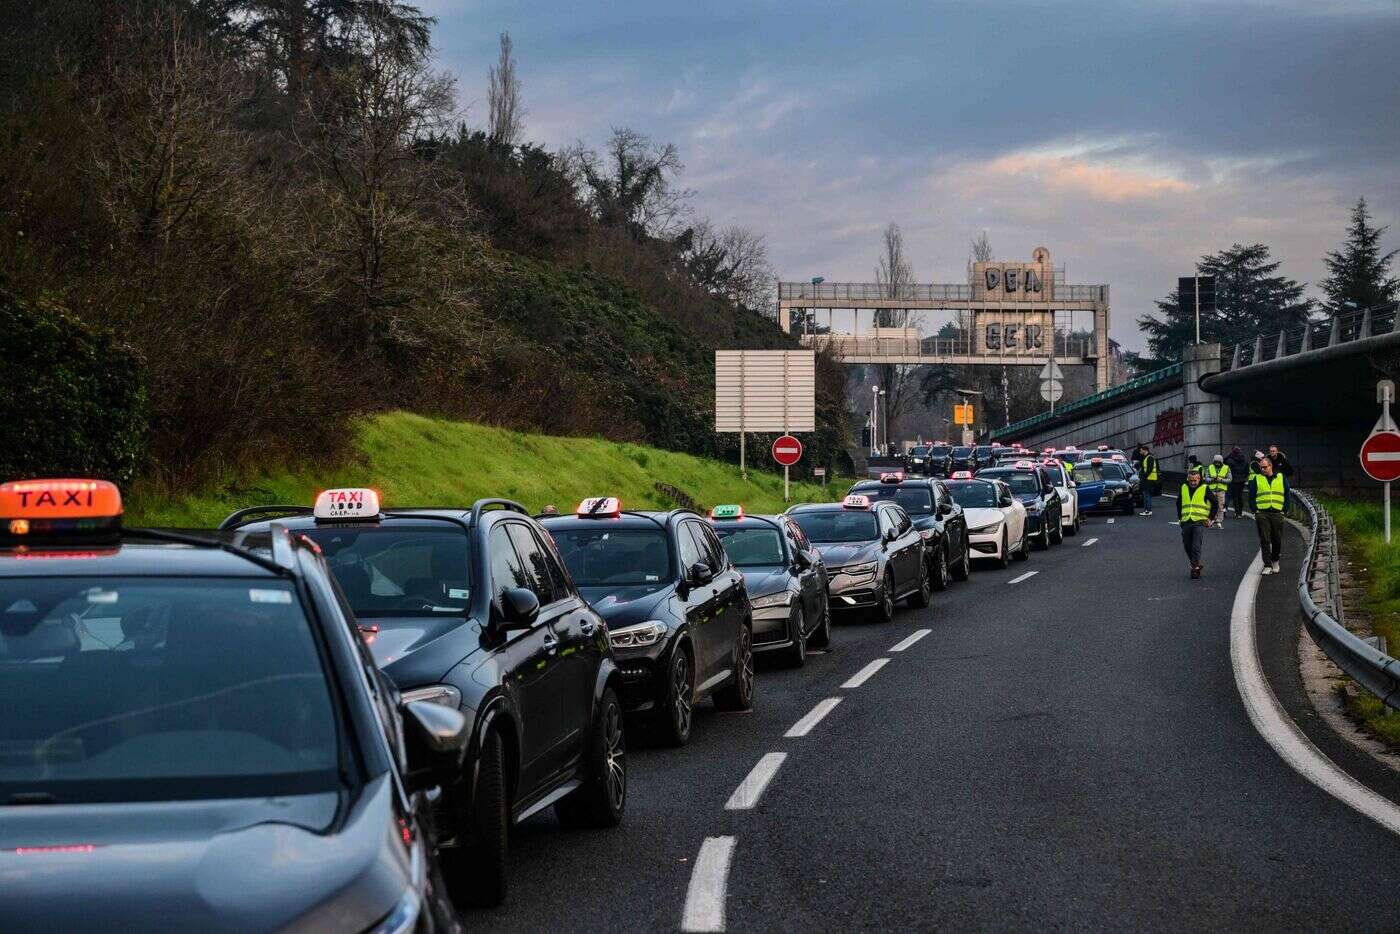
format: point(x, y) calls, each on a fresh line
point(866, 673)
point(903, 644)
point(1277, 728)
point(1026, 576)
point(814, 716)
point(751, 788)
point(1088, 543)
point(704, 900)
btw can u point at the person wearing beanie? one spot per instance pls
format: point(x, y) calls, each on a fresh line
point(1217, 476)
point(1239, 471)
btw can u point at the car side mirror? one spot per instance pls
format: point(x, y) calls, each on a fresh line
point(700, 574)
point(889, 536)
point(802, 561)
point(436, 740)
point(1006, 501)
point(945, 509)
point(519, 608)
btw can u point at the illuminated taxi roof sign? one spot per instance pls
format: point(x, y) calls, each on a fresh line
point(961, 475)
point(600, 507)
point(347, 504)
point(1024, 465)
point(856, 501)
point(40, 508)
point(728, 511)
point(894, 477)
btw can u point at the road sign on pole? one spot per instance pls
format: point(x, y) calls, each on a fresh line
point(1051, 390)
point(1380, 453)
point(1051, 370)
point(787, 451)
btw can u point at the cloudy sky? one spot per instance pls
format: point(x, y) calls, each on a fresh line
point(1128, 137)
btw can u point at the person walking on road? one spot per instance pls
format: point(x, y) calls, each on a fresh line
point(1270, 494)
point(1218, 479)
point(1239, 471)
point(1148, 472)
point(1253, 471)
point(1194, 509)
point(1280, 461)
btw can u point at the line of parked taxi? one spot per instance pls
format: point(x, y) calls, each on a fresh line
point(443, 673)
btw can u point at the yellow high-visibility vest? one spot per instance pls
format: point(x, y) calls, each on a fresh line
point(1149, 467)
point(1194, 507)
point(1268, 492)
point(1219, 479)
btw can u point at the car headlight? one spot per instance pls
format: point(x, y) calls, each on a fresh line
point(782, 598)
point(858, 570)
point(637, 635)
point(404, 917)
point(989, 527)
point(444, 694)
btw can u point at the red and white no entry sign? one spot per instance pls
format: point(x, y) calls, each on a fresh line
point(1380, 456)
point(787, 450)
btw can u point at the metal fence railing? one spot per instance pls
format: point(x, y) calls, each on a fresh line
point(1319, 592)
point(917, 292)
point(1146, 381)
point(1078, 346)
point(1329, 332)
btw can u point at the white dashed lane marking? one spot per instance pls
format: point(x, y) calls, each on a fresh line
point(751, 788)
point(866, 673)
point(1110, 521)
point(814, 716)
point(1026, 576)
point(704, 900)
point(1088, 543)
point(903, 644)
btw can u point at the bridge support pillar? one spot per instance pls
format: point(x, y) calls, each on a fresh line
point(1203, 414)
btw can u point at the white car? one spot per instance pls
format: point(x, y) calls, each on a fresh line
point(1069, 499)
point(996, 519)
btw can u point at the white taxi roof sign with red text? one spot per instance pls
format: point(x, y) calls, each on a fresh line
point(600, 507)
point(347, 504)
point(856, 501)
point(961, 475)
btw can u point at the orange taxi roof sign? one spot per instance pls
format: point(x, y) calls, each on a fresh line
point(34, 507)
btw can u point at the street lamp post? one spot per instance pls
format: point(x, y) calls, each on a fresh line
point(875, 420)
point(886, 435)
point(812, 312)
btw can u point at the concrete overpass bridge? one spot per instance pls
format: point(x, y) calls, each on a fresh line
point(1311, 390)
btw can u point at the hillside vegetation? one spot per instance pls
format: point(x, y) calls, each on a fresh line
point(416, 460)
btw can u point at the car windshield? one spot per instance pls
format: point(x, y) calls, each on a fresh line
point(916, 500)
point(399, 570)
point(939, 450)
point(962, 452)
point(751, 547)
point(974, 494)
point(846, 525)
point(149, 688)
point(1057, 474)
point(984, 450)
point(919, 450)
point(611, 557)
point(1020, 481)
point(1091, 472)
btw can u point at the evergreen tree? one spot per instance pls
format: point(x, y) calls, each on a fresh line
point(1250, 299)
point(1358, 274)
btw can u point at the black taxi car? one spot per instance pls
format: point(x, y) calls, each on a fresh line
point(937, 518)
point(473, 609)
point(194, 734)
point(677, 610)
point(874, 556)
point(785, 577)
point(1033, 486)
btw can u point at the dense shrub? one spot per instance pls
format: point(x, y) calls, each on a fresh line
point(71, 398)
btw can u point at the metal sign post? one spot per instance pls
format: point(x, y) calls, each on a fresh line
point(1380, 452)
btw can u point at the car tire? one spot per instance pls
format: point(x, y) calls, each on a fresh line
point(884, 611)
point(796, 654)
point(1059, 535)
point(940, 578)
point(1003, 560)
point(1042, 542)
point(963, 569)
point(1024, 552)
point(602, 798)
point(924, 595)
point(678, 713)
point(479, 870)
point(1073, 526)
point(821, 636)
point(738, 694)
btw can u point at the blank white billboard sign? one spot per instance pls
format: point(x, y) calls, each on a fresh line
point(765, 390)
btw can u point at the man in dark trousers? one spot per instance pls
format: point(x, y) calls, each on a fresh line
point(1194, 509)
point(1239, 472)
point(1269, 492)
point(1148, 474)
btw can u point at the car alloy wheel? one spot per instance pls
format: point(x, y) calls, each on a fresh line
point(615, 742)
point(821, 637)
point(1004, 556)
point(676, 718)
point(739, 694)
point(797, 624)
point(924, 595)
point(885, 613)
point(963, 570)
point(600, 800)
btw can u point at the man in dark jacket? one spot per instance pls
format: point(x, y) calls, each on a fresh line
point(1239, 471)
point(1280, 461)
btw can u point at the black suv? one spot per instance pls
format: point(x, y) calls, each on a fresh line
point(473, 609)
point(929, 460)
point(194, 729)
point(677, 611)
point(1032, 485)
point(937, 518)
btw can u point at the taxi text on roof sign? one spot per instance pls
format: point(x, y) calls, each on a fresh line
point(728, 511)
point(348, 503)
point(961, 475)
point(600, 506)
point(59, 499)
point(856, 501)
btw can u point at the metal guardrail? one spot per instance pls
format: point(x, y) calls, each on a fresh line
point(1330, 332)
point(919, 292)
point(1133, 385)
point(1066, 345)
point(1371, 668)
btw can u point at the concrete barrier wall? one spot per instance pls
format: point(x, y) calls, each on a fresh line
point(1157, 420)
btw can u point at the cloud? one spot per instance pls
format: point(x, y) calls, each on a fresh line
point(1075, 175)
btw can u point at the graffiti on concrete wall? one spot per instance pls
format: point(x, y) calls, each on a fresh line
point(1171, 428)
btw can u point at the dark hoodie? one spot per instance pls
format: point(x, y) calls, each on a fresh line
point(1239, 465)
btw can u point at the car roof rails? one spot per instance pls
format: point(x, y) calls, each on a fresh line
point(280, 567)
point(237, 518)
point(495, 505)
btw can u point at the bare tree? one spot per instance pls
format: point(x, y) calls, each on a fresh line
point(895, 277)
point(981, 248)
point(506, 111)
point(632, 185)
point(732, 262)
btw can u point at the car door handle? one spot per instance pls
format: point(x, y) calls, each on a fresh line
point(551, 643)
point(588, 627)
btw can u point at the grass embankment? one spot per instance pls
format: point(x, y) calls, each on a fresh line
point(418, 461)
point(1376, 566)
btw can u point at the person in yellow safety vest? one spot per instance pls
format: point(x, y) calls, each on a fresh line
point(1194, 509)
point(1218, 477)
point(1149, 479)
point(1269, 492)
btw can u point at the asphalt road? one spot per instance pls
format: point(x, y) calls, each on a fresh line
point(1065, 752)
